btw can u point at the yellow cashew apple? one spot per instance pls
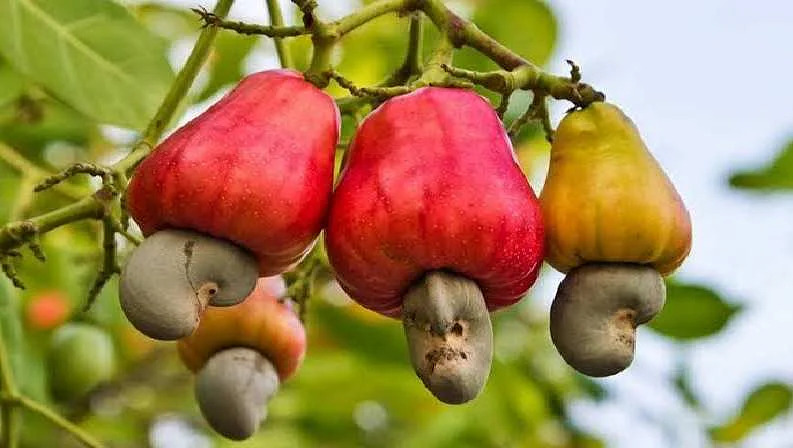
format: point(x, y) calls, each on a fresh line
point(606, 199)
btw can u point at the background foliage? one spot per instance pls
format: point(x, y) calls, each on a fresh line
point(78, 79)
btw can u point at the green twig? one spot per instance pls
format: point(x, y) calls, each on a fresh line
point(300, 282)
point(277, 21)
point(503, 105)
point(110, 265)
point(368, 13)
point(307, 7)
point(377, 93)
point(32, 171)
point(11, 398)
point(54, 418)
point(129, 236)
point(210, 19)
point(529, 77)
point(8, 268)
point(9, 417)
point(575, 71)
point(412, 64)
point(10, 423)
point(15, 234)
point(433, 75)
point(91, 169)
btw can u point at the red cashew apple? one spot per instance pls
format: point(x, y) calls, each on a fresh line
point(240, 191)
point(433, 221)
point(240, 355)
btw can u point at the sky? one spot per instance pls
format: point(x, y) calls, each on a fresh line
point(706, 84)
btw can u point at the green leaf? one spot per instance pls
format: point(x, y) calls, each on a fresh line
point(9, 189)
point(691, 312)
point(778, 175)
point(27, 368)
point(684, 388)
point(168, 22)
point(228, 54)
point(761, 406)
point(371, 53)
point(13, 84)
point(528, 27)
point(377, 342)
point(89, 53)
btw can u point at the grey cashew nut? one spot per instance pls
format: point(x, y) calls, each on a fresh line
point(173, 275)
point(449, 335)
point(232, 390)
point(596, 311)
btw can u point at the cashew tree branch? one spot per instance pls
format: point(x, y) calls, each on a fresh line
point(277, 20)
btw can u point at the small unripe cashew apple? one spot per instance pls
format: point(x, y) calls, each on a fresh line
point(240, 354)
point(81, 356)
point(433, 221)
point(615, 224)
point(242, 187)
point(596, 311)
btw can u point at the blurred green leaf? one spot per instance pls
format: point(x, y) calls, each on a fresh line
point(166, 21)
point(300, 49)
point(528, 27)
point(691, 312)
point(226, 60)
point(682, 383)
point(761, 406)
point(778, 175)
point(591, 388)
point(26, 362)
point(9, 189)
point(13, 84)
point(10, 322)
point(377, 342)
point(371, 53)
point(90, 53)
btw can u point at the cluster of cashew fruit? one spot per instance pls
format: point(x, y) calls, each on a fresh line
point(432, 221)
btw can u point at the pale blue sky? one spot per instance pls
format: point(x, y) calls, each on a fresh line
point(706, 82)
